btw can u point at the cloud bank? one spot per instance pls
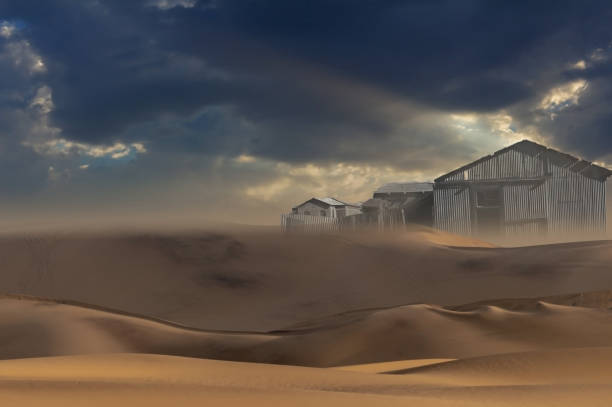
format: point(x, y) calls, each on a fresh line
point(247, 108)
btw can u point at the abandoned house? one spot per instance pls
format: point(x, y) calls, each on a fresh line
point(523, 189)
point(327, 207)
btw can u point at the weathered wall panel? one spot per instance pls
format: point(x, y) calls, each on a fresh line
point(510, 164)
point(452, 210)
point(575, 203)
point(539, 196)
point(305, 223)
point(524, 202)
point(311, 209)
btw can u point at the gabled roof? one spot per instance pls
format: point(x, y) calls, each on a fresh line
point(404, 187)
point(585, 168)
point(332, 201)
point(327, 201)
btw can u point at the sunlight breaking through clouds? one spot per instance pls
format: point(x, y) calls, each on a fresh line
point(40, 135)
point(244, 158)
point(348, 182)
point(580, 65)
point(45, 140)
point(65, 147)
point(564, 96)
point(126, 94)
point(495, 130)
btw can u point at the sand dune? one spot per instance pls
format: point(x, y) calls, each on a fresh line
point(505, 380)
point(396, 366)
point(33, 328)
point(569, 365)
point(235, 317)
point(261, 280)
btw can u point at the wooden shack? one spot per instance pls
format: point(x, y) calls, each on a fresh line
point(525, 189)
point(329, 207)
point(319, 215)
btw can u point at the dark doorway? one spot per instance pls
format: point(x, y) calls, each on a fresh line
point(489, 210)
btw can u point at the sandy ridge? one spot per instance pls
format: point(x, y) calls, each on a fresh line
point(511, 379)
point(31, 328)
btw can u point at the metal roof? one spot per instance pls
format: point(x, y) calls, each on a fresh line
point(585, 168)
point(328, 201)
point(332, 201)
point(405, 187)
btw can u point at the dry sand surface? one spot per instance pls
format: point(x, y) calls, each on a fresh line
point(561, 378)
point(261, 280)
point(251, 316)
point(31, 328)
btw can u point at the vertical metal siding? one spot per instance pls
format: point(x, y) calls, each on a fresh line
point(510, 164)
point(452, 210)
point(524, 208)
point(575, 203)
point(565, 202)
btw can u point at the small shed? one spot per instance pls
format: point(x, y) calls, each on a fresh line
point(327, 207)
point(524, 189)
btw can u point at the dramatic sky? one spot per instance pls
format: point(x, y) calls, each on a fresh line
point(239, 109)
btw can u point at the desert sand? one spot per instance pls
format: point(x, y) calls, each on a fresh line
point(231, 317)
point(260, 280)
point(561, 378)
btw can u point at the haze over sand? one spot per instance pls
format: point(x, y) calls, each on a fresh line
point(239, 316)
point(261, 280)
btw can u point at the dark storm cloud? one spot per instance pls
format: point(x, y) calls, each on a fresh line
point(309, 81)
point(585, 127)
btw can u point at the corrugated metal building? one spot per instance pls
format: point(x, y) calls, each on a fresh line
point(330, 207)
point(523, 189)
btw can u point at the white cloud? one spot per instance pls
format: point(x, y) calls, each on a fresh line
point(61, 146)
point(564, 96)
point(43, 100)
point(38, 110)
point(244, 158)
point(7, 29)
point(46, 140)
point(488, 132)
point(139, 147)
point(580, 65)
point(23, 56)
point(291, 183)
point(19, 50)
point(502, 124)
point(124, 152)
